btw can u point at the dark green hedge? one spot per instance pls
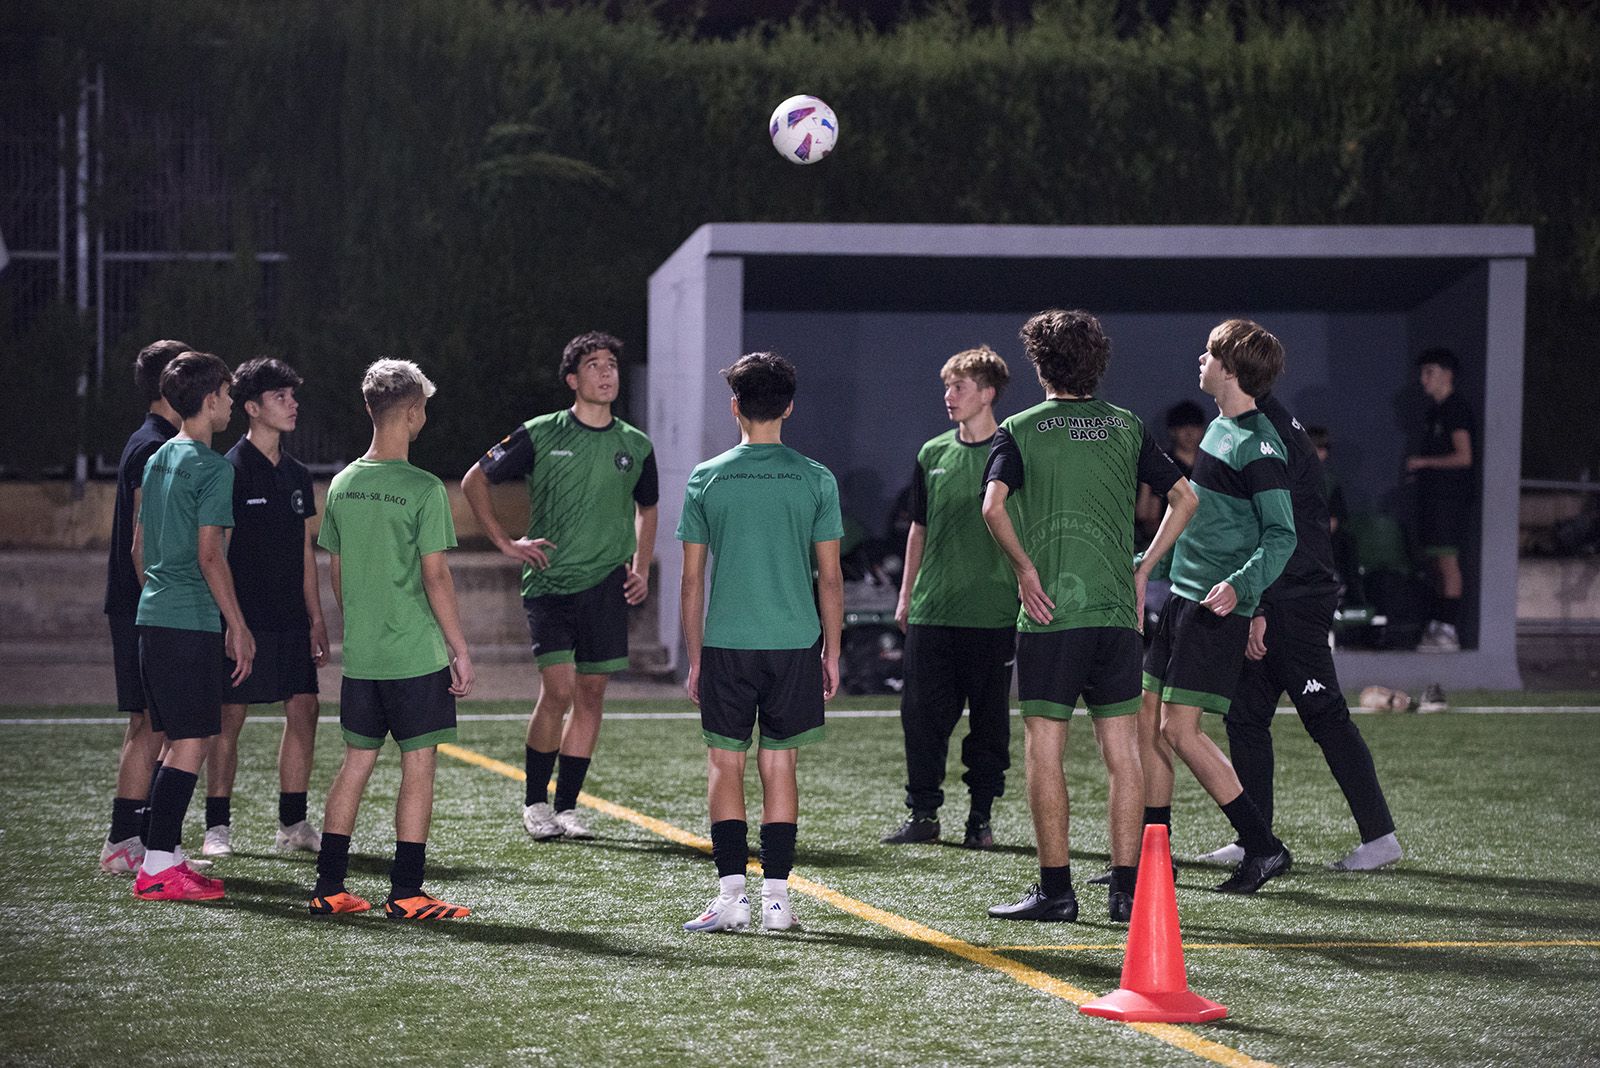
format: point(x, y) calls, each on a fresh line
point(469, 182)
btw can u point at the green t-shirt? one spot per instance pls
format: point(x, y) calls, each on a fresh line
point(964, 580)
point(187, 486)
point(1073, 469)
point(761, 508)
point(583, 485)
point(1243, 532)
point(381, 519)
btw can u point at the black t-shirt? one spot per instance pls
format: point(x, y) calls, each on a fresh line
point(266, 551)
point(122, 585)
point(1310, 569)
point(1438, 439)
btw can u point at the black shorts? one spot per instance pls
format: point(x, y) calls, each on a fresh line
point(125, 663)
point(182, 681)
point(1099, 664)
point(779, 688)
point(588, 628)
point(1195, 655)
point(419, 712)
point(283, 667)
point(1442, 522)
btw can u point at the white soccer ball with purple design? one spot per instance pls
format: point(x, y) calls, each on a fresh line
point(804, 129)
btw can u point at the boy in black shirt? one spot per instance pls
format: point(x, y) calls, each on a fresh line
point(275, 575)
point(1443, 470)
point(123, 851)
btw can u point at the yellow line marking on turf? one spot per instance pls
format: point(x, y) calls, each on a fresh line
point(1172, 1035)
point(1078, 947)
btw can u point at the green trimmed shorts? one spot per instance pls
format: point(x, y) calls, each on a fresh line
point(1195, 655)
point(588, 628)
point(419, 711)
point(780, 689)
point(1057, 667)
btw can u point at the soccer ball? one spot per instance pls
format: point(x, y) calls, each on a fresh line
point(804, 129)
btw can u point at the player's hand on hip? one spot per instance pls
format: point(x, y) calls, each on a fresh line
point(692, 686)
point(1040, 608)
point(830, 677)
point(635, 587)
point(240, 645)
point(462, 675)
point(319, 644)
point(1256, 647)
point(1222, 599)
point(532, 551)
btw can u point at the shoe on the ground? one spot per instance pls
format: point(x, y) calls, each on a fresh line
point(776, 915)
point(122, 858)
point(423, 907)
point(178, 883)
point(539, 821)
point(1433, 699)
point(301, 837)
point(343, 901)
point(1033, 905)
point(1120, 906)
point(194, 864)
point(572, 825)
point(1254, 871)
point(980, 835)
point(1369, 856)
point(219, 841)
point(1232, 853)
point(724, 913)
point(916, 828)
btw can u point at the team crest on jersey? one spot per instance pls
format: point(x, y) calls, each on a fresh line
point(1225, 446)
point(624, 461)
point(297, 502)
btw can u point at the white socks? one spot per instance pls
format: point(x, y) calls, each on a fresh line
point(1370, 855)
point(157, 861)
point(732, 886)
point(775, 888)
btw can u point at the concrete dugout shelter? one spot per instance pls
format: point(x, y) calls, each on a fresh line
point(869, 313)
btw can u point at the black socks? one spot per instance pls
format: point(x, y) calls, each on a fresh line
point(1054, 882)
point(127, 818)
point(539, 766)
point(1123, 879)
point(730, 846)
point(333, 864)
point(1161, 814)
point(777, 850)
point(150, 797)
point(291, 809)
point(219, 811)
point(569, 781)
point(169, 802)
point(1253, 832)
point(405, 874)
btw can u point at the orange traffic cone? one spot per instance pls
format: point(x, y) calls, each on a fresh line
point(1155, 987)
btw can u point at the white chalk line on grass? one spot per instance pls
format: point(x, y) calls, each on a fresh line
point(848, 713)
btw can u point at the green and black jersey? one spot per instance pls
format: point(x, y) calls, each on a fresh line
point(1243, 532)
point(964, 580)
point(583, 484)
point(1073, 467)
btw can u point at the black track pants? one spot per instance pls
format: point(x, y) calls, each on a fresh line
point(948, 668)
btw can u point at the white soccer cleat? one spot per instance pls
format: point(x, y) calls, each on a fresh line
point(776, 915)
point(572, 825)
point(1232, 853)
point(218, 842)
point(122, 858)
point(723, 914)
point(1433, 700)
point(301, 837)
point(540, 822)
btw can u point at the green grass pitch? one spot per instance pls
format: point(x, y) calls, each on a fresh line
point(574, 953)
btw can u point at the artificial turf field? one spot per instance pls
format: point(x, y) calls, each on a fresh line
point(1482, 947)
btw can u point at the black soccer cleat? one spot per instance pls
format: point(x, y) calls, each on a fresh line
point(980, 835)
point(1033, 905)
point(1255, 869)
point(1120, 906)
point(916, 828)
